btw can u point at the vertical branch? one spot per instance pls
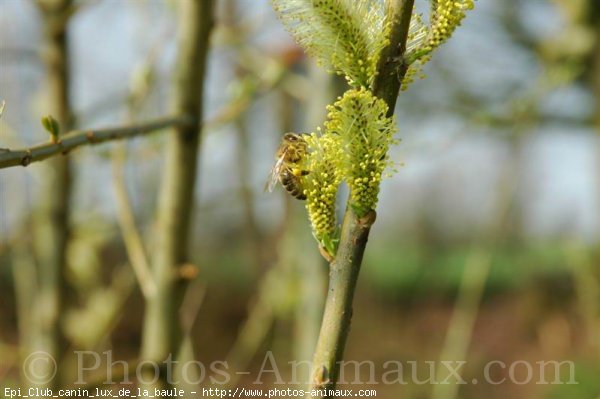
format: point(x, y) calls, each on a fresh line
point(392, 67)
point(588, 292)
point(51, 224)
point(596, 82)
point(134, 245)
point(162, 331)
point(24, 277)
point(595, 73)
point(345, 268)
point(460, 330)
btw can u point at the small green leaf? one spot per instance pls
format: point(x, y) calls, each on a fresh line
point(51, 125)
point(329, 241)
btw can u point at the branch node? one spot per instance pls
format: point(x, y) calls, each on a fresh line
point(321, 378)
point(188, 271)
point(26, 160)
point(325, 254)
point(368, 219)
point(90, 136)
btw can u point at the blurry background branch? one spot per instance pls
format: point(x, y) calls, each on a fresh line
point(141, 84)
point(51, 221)
point(132, 239)
point(162, 330)
point(72, 140)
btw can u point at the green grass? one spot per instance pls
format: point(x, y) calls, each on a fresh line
point(410, 269)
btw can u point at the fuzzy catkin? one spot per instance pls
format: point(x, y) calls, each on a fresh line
point(444, 17)
point(321, 184)
point(345, 36)
point(365, 134)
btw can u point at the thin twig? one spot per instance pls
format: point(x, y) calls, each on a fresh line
point(134, 244)
point(77, 138)
point(190, 306)
point(25, 279)
point(460, 329)
point(587, 288)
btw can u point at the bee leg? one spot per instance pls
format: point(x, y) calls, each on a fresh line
point(299, 172)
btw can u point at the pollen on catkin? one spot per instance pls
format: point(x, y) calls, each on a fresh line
point(365, 132)
point(345, 36)
point(444, 17)
point(321, 184)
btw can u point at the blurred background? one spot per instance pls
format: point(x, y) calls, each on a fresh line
point(487, 243)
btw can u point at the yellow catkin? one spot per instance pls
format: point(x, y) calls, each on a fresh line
point(345, 36)
point(445, 17)
point(322, 182)
point(365, 134)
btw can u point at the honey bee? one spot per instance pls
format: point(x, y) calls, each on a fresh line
point(287, 169)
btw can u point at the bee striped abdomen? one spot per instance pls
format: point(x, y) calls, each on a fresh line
point(292, 184)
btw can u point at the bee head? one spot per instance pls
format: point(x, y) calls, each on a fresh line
point(291, 138)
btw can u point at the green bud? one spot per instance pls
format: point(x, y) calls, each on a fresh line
point(51, 125)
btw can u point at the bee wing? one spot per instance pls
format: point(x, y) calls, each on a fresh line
point(274, 174)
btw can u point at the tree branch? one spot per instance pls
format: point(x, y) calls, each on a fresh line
point(345, 268)
point(77, 138)
point(51, 225)
point(392, 68)
point(134, 245)
point(162, 331)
